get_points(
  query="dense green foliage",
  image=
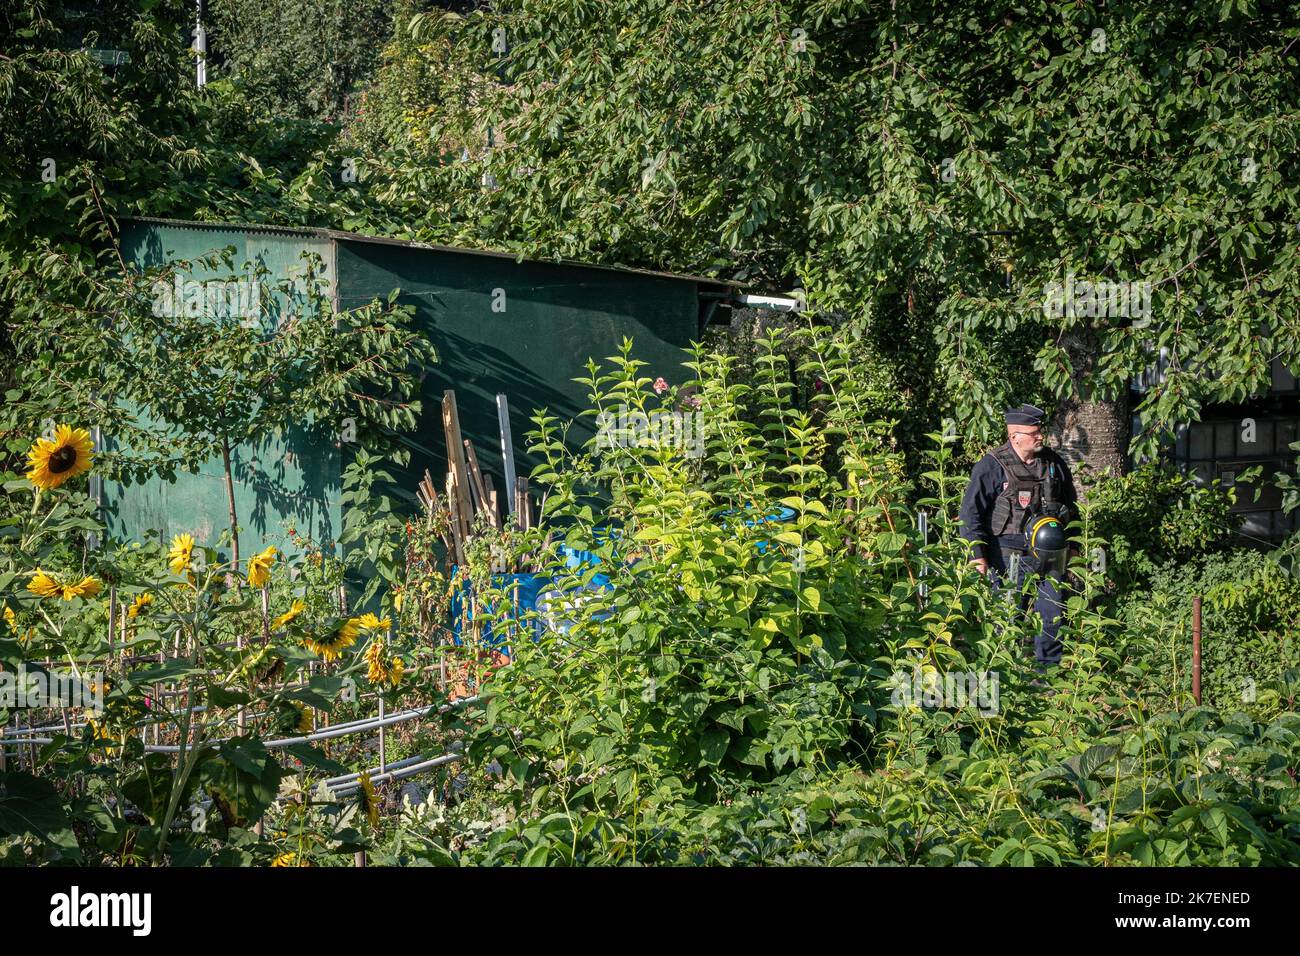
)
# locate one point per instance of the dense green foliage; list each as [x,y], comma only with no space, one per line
[1251,623]
[1156,516]
[729,703]
[1184,789]
[932,165]
[298,58]
[922,172]
[922,152]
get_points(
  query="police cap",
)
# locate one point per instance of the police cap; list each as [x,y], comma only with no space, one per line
[1025,415]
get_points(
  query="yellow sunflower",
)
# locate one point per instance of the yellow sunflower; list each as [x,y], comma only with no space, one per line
[399,596]
[287,859]
[296,608]
[259,567]
[99,732]
[43,585]
[141,602]
[373,623]
[11,619]
[344,637]
[51,463]
[47,586]
[376,673]
[366,799]
[178,558]
[86,587]
[379,672]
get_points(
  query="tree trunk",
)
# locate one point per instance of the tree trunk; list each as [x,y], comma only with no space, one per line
[1091,433]
[230,503]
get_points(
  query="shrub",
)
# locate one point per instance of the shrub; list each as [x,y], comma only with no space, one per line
[1250,623]
[1156,515]
[730,650]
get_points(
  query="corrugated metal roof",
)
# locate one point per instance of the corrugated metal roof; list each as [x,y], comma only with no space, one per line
[413,244]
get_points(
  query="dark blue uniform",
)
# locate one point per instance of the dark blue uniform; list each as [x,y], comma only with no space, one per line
[986,483]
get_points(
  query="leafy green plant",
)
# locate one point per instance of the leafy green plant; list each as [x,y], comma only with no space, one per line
[1250,619]
[297,60]
[1157,515]
[729,648]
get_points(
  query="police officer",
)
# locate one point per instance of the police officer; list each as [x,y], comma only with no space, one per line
[1019,501]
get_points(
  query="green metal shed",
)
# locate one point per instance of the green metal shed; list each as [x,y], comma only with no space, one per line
[500,324]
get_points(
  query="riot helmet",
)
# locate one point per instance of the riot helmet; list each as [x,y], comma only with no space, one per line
[1047,542]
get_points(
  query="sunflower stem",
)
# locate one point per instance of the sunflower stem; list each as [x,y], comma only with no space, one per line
[266,615]
[186,759]
[30,531]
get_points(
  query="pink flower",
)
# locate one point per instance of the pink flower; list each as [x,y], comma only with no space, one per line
[694,401]
[660,386]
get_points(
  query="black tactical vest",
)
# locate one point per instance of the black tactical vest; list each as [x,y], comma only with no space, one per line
[1024,492]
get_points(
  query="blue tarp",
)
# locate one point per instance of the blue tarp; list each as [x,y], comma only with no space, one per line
[530,592]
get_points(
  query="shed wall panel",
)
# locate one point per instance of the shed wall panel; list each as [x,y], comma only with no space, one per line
[549,319]
[284,478]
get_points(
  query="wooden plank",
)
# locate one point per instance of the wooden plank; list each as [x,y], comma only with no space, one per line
[456,463]
[476,477]
[507,447]
[521,502]
[453,526]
